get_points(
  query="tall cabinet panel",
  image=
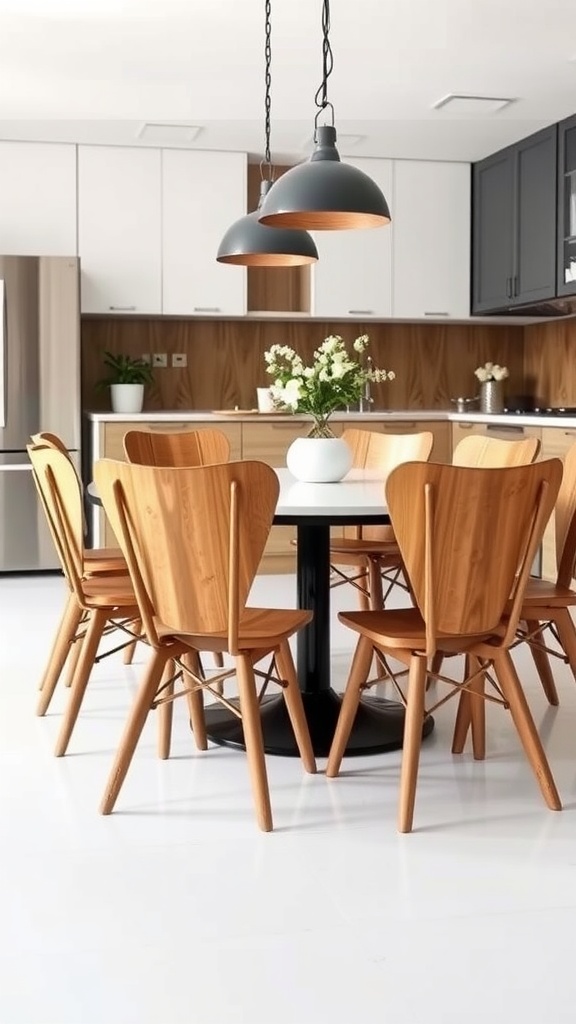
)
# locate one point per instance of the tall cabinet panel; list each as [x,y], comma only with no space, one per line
[37,199]
[514,224]
[431,239]
[203,193]
[566,283]
[119,229]
[353,276]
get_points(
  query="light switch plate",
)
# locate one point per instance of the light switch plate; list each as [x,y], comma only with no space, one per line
[179,359]
[159,359]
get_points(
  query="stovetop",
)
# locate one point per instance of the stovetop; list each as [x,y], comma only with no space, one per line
[568,410]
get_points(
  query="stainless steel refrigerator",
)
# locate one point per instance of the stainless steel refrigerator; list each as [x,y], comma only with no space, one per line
[39,390]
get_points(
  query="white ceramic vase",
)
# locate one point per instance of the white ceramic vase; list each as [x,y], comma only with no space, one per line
[127,397]
[319,460]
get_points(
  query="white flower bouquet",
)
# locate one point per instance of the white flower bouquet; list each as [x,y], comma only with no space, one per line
[333,381]
[491,371]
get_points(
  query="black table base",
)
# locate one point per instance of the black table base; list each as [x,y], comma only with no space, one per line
[378,726]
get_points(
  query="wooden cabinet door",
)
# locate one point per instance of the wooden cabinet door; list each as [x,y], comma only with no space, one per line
[556,442]
[38,199]
[203,193]
[119,229]
[353,277]
[431,239]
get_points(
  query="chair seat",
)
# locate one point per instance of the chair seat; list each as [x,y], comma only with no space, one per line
[546,593]
[262,628]
[404,628]
[366,548]
[109,592]
[101,560]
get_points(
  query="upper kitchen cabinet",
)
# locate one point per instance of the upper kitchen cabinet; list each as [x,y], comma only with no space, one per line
[431,239]
[119,229]
[566,284]
[37,199]
[353,276]
[514,225]
[203,193]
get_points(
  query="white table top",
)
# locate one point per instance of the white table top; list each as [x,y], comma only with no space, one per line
[360,493]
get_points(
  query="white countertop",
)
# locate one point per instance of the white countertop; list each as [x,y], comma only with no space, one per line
[509,420]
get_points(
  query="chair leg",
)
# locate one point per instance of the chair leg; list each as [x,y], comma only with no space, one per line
[133,728]
[375,584]
[59,653]
[98,620]
[567,634]
[252,728]
[477,709]
[166,711]
[542,663]
[412,741]
[295,707]
[75,648]
[196,703]
[462,723]
[358,675]
[130,650]
[514,694]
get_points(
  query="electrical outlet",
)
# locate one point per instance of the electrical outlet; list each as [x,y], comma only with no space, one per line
[179,359]
[146,357]
[159,359]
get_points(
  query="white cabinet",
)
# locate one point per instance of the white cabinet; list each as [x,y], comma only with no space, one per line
[203,193]
[431,239]
[119,229]
[37,199]
[353,276]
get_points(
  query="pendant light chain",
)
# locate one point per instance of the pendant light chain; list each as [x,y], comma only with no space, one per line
[268,83]
[321,98]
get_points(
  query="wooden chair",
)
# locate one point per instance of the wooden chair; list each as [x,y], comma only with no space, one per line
[468,538]
[372,550]
[99,600]
[545,608]
[181,448]
[193,539]
[495,452]
[96,562]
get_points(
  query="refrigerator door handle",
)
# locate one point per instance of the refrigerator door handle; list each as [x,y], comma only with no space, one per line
[26,466]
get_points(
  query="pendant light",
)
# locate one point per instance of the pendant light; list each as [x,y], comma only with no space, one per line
[250,243]
[324,194]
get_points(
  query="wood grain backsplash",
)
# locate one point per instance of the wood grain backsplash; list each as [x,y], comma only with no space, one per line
[432,362]
[550,361]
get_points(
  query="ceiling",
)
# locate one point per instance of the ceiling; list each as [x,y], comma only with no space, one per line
[99,70]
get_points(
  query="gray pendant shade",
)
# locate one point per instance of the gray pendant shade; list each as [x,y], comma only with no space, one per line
[325,194]
[250,243]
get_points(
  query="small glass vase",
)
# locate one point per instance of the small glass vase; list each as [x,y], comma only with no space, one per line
[491,396]
[321,427]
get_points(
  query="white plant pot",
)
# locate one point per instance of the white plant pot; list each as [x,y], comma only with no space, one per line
[127,397]
[319,460]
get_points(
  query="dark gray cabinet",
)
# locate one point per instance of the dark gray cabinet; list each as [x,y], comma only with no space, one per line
[514,225]
[567,207]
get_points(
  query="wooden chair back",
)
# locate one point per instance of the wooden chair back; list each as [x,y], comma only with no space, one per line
[565,522]
[44,437]
[495,452]
[61,495]
[468,538]
[192,537]
[182,448]
[373,450]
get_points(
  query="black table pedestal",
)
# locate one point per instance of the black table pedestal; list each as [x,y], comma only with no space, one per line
[379,723]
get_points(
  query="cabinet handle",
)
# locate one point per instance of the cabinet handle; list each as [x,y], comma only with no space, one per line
[437,313]
[515,286]
[504,429]
[122,309]
[569,433]
[508,287]
[206,309]
[361,312]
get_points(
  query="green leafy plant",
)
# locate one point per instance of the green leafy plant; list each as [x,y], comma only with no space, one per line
[125,370]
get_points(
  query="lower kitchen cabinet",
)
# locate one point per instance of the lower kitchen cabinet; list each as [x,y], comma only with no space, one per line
[514,432]
[556,442]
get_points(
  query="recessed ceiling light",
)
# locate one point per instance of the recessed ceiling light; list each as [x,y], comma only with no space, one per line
[454,103]
[166,132]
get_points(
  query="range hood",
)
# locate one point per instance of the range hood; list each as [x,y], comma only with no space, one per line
[547,308]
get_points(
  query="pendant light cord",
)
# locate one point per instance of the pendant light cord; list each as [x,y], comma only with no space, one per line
[321,98]
[267,101]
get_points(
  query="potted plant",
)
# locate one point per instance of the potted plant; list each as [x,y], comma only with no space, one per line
[126,381]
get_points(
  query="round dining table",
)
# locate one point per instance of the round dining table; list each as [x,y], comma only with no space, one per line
[379,725]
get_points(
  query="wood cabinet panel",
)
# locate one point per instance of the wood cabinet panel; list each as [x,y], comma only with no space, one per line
[556,442]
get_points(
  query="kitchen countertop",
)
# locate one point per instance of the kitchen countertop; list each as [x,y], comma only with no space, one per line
[397,415]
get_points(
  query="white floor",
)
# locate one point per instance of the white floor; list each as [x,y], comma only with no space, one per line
[176,909]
